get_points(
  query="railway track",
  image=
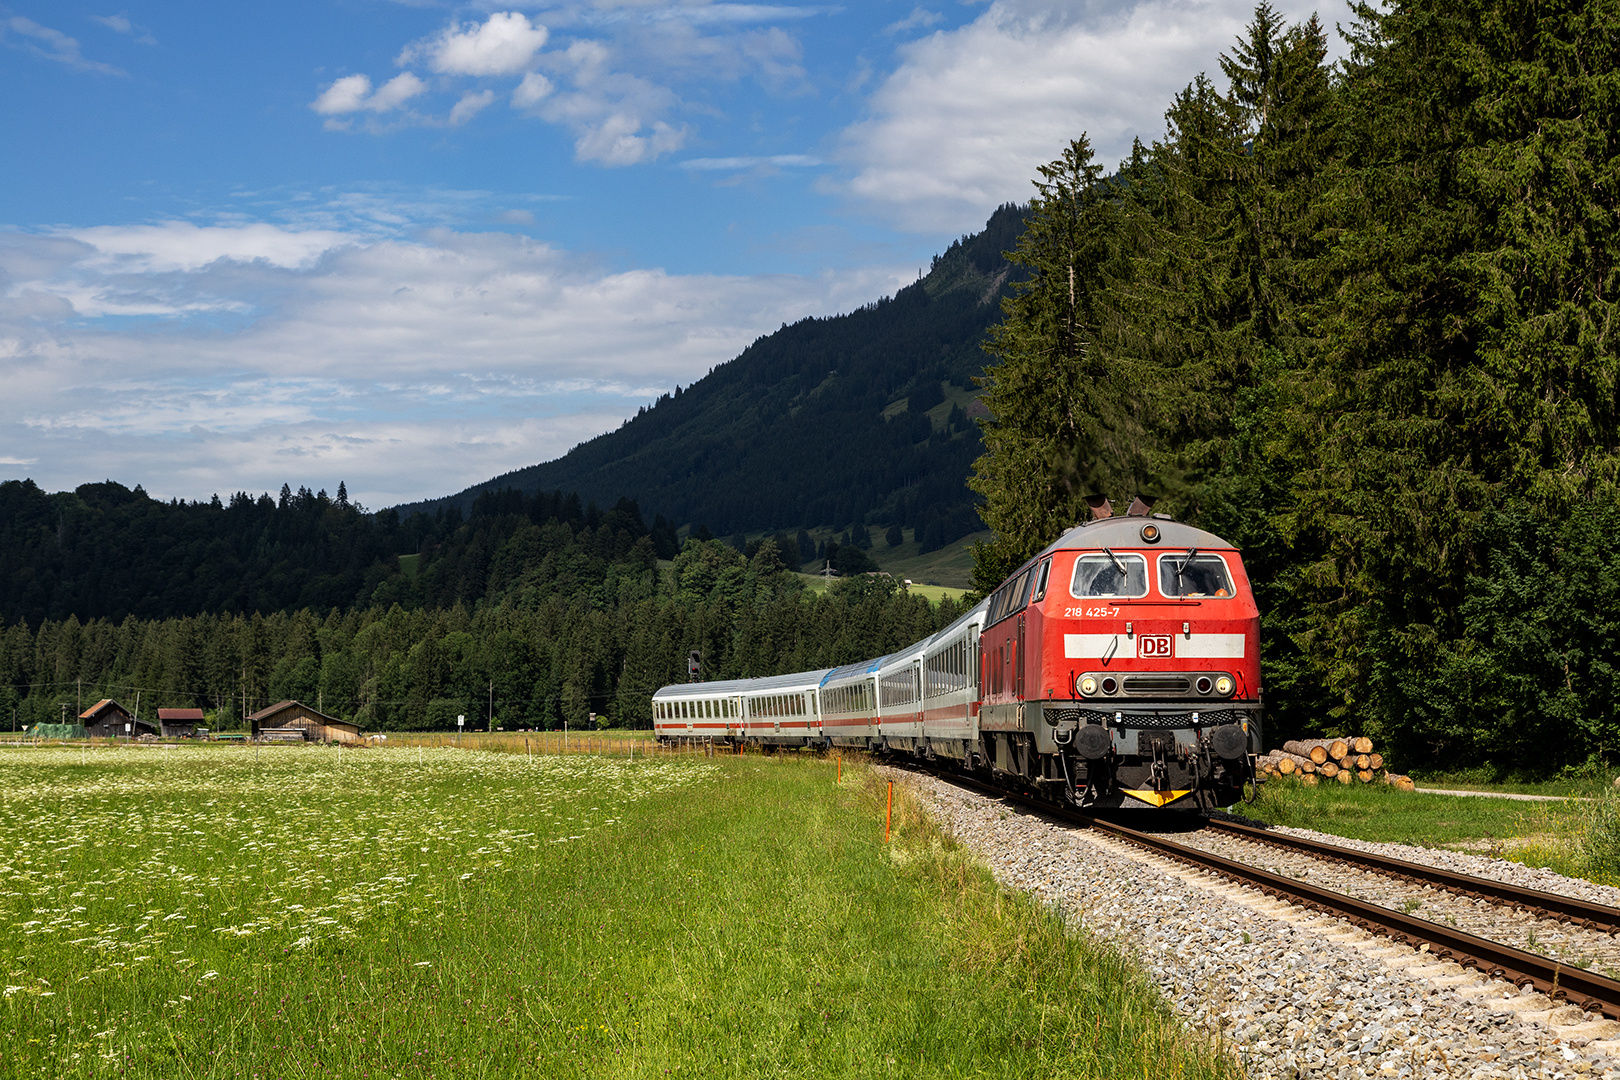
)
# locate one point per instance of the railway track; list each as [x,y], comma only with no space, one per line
[1559,981]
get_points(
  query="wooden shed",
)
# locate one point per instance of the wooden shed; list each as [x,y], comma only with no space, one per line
[106,719]
[293,721]
[180,723]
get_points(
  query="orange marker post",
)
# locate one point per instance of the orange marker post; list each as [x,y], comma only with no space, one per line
[888,813]
[840,760]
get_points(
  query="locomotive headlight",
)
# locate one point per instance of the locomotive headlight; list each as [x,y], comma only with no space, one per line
[1088,685]
[1223,685]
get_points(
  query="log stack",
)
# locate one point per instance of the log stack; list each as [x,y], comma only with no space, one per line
[1349,760]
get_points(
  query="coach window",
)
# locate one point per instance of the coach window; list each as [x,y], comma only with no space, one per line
[1109,575]
[1194,575]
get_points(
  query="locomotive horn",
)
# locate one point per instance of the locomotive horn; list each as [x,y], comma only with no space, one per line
[1099,507]
[1140,507]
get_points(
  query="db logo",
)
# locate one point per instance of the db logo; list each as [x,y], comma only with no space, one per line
[1155,646]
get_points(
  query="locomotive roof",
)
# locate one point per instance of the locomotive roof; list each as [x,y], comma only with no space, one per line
[1126,532]
[799,680]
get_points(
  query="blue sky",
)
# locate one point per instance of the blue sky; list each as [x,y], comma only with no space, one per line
[414,245]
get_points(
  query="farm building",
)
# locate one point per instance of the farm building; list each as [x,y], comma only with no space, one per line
[106,719]
[293,721]
[180,723]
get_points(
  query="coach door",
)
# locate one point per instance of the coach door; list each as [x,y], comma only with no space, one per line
[917,695]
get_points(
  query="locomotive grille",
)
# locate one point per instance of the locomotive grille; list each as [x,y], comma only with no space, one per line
[1156,684]
[1206,718]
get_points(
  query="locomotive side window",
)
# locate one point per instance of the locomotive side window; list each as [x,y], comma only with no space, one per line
[1040,583]
[1193,574]
[1109,574]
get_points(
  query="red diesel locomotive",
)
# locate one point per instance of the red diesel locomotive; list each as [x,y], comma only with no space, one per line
[1120,667]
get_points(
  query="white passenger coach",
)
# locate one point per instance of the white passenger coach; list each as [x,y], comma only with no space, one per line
[923,700]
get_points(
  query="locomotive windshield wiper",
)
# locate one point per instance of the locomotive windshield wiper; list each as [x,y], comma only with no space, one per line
[1117,564]
[1182,569]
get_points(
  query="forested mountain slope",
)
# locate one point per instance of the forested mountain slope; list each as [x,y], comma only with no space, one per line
[823,423]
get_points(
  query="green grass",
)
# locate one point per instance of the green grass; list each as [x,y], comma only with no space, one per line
[1579,783]
[1579,837]
[305,911]
[932,593]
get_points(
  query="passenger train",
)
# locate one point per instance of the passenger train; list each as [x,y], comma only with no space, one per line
[1118,668]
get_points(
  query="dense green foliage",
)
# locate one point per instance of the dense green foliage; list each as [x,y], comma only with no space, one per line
[535,624]
[805,428]
[1356,320]
[104,551]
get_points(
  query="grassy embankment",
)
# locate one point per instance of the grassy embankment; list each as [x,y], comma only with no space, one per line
[1578,835]
[301,911]
[614,742]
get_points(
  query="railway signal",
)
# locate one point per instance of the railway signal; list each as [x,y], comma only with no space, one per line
[694,664]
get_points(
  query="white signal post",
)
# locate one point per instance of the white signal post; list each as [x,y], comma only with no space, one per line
[461,722]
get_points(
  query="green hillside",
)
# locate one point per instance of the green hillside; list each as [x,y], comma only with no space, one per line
[858,418]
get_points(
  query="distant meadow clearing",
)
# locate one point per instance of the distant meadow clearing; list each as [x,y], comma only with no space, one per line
[422,912]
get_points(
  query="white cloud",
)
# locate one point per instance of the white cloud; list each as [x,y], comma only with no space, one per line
[735,13]
[504,44]
[613,85]
[961,124]
[30,36]
[183,246]
[396,92]
[729,163]
[410,368]
[529,92]
[120,24]
[616,117]
[920,18]
[471,104]
[345,95]
[352,93]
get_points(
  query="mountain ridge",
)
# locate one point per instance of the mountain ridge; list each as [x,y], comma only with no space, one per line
[801,429]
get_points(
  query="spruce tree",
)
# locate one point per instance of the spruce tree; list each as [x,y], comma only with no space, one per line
[1060,426]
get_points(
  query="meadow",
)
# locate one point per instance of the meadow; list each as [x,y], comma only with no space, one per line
[306,911]
[1576,834]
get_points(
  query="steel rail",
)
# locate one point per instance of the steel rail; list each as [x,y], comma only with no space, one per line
[1560,982]
[1582,913]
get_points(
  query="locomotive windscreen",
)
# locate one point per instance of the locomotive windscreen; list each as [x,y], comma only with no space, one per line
[1109,575]
[1194,575]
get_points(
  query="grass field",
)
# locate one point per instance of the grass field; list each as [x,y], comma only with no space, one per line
[1578,836]
[292,912]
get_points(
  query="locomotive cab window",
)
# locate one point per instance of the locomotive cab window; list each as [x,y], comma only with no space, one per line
[1109,574]
[1194,575]
[1040,583]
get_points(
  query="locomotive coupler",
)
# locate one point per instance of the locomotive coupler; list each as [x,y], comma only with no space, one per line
[1160,770]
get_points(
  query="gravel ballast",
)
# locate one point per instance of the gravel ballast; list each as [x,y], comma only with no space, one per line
[1295,994]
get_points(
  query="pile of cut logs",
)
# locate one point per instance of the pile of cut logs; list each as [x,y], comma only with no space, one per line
[1347,761]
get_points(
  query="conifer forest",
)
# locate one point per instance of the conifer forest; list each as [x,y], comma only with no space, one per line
[1356,319]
